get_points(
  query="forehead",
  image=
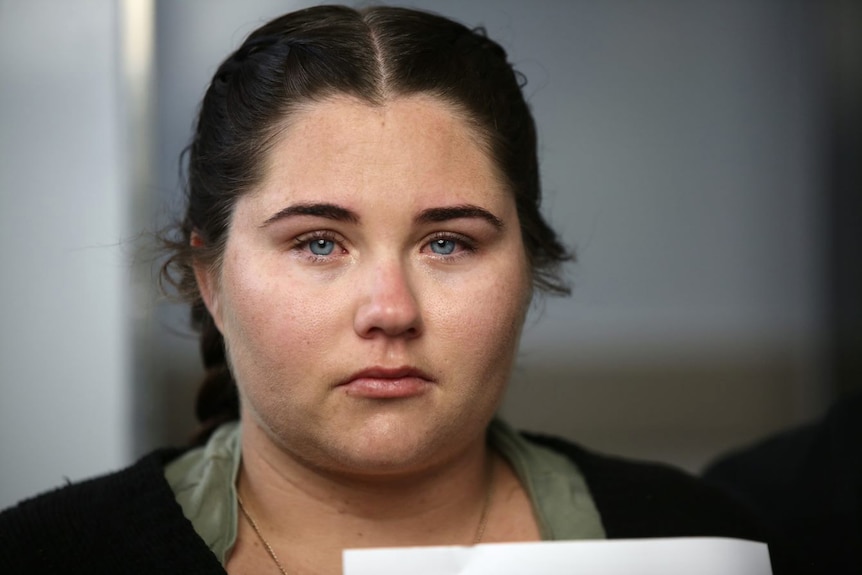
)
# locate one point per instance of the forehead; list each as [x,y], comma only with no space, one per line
[411,147]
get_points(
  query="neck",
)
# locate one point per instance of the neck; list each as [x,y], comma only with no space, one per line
[309,505]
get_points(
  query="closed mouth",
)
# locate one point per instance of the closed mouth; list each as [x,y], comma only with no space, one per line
[387,383]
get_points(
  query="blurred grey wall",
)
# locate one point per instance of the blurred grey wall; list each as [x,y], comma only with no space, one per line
[64,294]
[681,146]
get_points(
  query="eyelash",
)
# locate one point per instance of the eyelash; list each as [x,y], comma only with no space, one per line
[466,246]
[301,244]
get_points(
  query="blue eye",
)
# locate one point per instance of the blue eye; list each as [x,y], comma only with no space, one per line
[443,246]
[321,247]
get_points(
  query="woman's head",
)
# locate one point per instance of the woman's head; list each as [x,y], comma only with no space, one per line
[374,56]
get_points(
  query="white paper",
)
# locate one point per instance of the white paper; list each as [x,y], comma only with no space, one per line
[676,556]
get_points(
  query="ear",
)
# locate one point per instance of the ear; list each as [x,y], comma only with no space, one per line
[207,282]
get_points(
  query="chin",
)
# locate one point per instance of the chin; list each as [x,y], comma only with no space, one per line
[393,449]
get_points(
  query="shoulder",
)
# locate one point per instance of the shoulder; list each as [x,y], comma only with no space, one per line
[806,485]
[638,499]
[127,521]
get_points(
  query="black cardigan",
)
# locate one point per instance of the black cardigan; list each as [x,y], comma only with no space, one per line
[129,522]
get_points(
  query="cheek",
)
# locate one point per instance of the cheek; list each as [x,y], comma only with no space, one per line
[497,322]
[483,319]
[272,320]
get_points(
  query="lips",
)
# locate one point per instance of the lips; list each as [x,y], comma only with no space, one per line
[387,383]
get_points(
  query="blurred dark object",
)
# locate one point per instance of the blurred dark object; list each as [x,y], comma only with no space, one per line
[806,486]
[842,53]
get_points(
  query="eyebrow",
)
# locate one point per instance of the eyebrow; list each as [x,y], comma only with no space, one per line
[341,214]
[432,215]
[320,210]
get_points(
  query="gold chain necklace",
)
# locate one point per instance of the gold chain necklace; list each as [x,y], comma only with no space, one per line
[480,529]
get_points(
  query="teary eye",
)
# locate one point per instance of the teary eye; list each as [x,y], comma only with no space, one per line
[321,247]
[443,246]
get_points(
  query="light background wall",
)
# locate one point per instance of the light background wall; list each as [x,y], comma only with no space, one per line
[680,146]
[65,376]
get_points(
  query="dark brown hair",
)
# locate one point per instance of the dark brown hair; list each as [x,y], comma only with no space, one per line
[374,55]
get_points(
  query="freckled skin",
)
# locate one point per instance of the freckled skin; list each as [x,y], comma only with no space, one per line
[297,325]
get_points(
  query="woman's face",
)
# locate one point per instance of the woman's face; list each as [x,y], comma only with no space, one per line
[373,287]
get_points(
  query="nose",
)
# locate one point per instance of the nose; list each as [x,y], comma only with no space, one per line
[388,305]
